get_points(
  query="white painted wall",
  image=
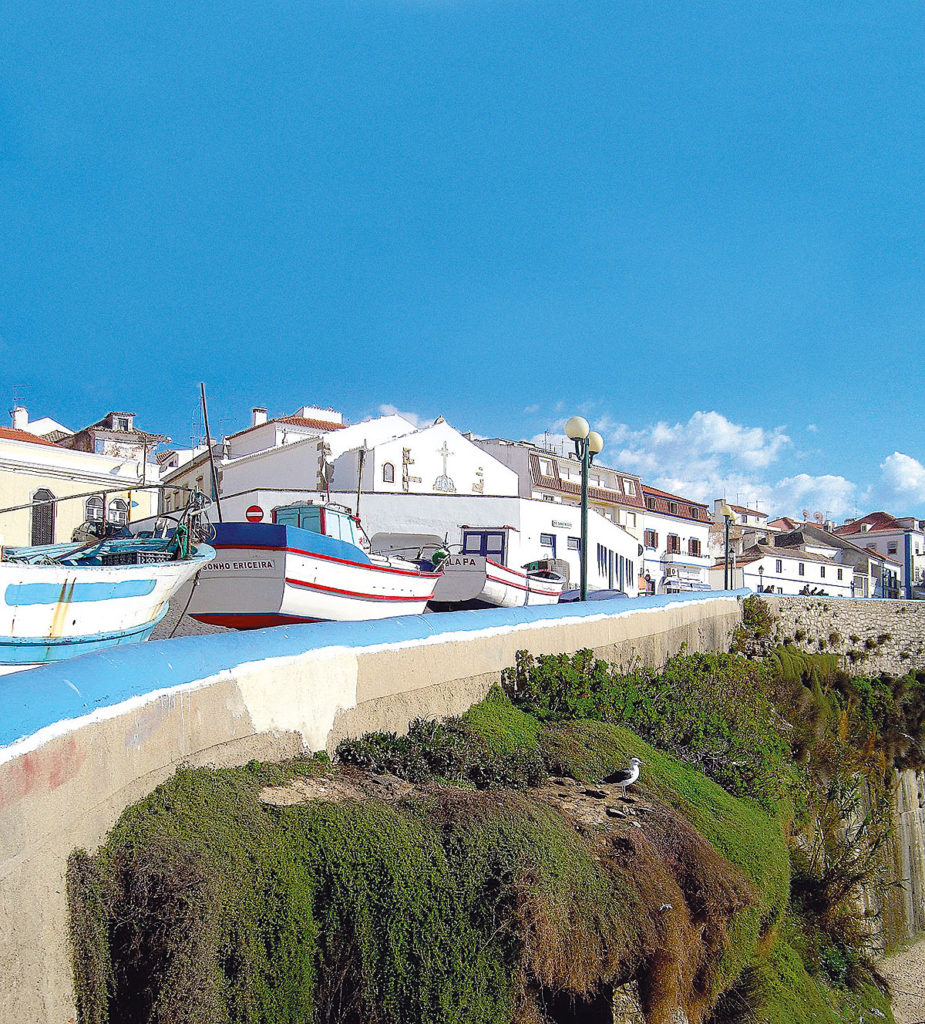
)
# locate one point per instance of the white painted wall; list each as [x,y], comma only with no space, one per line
[660,564]
[782,572]
[439,460]
[445,514]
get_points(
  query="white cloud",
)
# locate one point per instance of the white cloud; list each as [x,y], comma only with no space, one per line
[904,476]
[812,428]
[711,456]
[833,496]
[416,418]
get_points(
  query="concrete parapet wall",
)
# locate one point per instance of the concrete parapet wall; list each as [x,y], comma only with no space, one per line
[854,625]
[81,741]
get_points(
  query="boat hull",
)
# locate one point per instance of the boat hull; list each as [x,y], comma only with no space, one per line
[272,575]
[473,581]
[55,612]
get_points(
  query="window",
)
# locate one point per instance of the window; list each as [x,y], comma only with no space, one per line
[822,572]
[778,565]
[695,512]
[628,486]
[94,509]
[117,513]
[122,423]
[693,547]
[545,467]
[650,504]
[388,473]
[673,507]
[548,543]
[838,573]
[674,544]
[489,543]
[651,539]
[801,568]
[574,543]
[780,590]
[43,517]
[891,547]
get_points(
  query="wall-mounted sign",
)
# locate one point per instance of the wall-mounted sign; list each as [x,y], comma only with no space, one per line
[561,525]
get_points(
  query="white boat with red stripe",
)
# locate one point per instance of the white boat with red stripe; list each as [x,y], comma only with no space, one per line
[476,581]
[308,565]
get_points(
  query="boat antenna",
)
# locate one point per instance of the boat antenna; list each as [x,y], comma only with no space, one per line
[361,458]
[205,417]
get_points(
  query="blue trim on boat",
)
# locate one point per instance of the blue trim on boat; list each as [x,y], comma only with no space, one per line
[39,650]
[53,693]
[73,592]
[274,535]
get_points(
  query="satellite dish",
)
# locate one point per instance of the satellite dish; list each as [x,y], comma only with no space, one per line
[806,513]
[818,516]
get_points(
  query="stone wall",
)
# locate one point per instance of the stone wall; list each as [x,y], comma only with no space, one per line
[81,741]
[871,636]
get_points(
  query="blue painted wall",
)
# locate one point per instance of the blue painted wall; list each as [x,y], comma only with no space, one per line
[40,697]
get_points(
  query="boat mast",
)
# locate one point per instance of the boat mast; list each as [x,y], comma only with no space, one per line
[205,418]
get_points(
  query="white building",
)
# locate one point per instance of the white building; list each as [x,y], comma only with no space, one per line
[676,535]
[783,570]
[406,479]
[553,476]
[899,538]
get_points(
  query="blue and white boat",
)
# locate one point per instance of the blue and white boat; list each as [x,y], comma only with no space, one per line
[309,565]
[61,600]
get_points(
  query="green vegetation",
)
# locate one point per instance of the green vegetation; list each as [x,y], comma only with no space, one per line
[442,877]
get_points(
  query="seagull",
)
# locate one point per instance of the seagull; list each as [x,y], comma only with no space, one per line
[625,776]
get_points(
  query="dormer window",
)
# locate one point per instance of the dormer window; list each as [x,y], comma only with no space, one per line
[650,504]
[673,507]
[122,423]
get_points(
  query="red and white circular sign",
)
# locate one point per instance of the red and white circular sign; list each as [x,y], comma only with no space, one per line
[254,514]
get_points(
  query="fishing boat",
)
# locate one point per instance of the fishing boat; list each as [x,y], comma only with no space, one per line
[310,564]
[474,581]
[61,600]
[479,576]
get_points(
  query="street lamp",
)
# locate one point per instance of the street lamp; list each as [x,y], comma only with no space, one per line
[588,443]
[727,514]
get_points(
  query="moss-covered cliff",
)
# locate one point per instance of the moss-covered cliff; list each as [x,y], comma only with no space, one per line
[477,870]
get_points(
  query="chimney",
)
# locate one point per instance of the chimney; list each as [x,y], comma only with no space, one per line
[258,416]
[20,417]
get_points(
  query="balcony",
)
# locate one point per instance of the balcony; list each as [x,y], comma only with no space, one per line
[683,558]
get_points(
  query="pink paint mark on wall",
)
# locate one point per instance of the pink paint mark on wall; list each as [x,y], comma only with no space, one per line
[40,771]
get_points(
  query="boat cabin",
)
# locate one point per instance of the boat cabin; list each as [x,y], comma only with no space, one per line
[328,520]
[490,542]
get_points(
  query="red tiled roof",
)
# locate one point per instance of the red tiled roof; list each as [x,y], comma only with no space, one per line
[301,421]
[674,497]
[875,520]
[686,508]
[9,434]
[747,511]
[296,421]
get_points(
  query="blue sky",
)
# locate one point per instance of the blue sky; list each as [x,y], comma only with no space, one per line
[701,224]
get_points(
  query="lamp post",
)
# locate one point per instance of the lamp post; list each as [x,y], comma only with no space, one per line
[727,514]
[588,443]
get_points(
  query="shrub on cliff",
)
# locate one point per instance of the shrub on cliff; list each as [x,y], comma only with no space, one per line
[493,745]
[711,710]
[443,906]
